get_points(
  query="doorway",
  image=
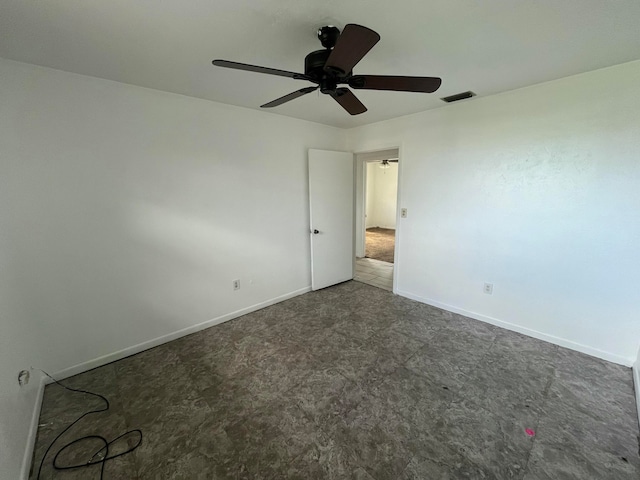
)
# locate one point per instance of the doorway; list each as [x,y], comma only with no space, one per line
[377,210]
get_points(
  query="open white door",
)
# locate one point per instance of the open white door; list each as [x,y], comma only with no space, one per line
[331,210]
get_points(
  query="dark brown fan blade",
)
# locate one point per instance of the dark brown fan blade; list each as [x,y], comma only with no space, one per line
[288,98]
[257,69]
[353,43]
[349,101]
[399,84]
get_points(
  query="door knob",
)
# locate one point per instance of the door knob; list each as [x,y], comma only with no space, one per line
[315,232]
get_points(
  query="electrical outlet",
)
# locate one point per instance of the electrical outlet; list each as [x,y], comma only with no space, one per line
[488,288]
[236,284]
[23,377]
[403,212]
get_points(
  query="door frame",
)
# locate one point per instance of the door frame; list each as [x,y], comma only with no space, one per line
[360,182]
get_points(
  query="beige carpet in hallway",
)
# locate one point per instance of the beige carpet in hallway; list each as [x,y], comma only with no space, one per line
[380,243]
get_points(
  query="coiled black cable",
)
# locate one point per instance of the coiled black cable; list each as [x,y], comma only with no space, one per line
[103,459]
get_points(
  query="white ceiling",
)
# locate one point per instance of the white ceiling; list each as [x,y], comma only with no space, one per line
[487,46]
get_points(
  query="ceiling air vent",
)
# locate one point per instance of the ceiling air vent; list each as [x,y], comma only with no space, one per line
[458,96]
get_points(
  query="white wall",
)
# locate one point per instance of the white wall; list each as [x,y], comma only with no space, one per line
[382,194]
[535,190]
[127,212]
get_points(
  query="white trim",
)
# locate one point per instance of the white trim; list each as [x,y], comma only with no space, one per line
[363,204]
[33,432]
[636,383]
[396,245]
[125,352]
[594,352]
[140,347]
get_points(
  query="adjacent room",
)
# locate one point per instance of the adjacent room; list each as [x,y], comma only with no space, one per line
[319,240]
[381,208]
[376,210]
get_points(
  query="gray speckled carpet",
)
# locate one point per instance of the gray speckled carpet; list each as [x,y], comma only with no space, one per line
[355,382]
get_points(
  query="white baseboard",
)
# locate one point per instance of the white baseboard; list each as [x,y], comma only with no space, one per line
[125,352]
[594,352]
[636,384]
[103,360]
[33,431]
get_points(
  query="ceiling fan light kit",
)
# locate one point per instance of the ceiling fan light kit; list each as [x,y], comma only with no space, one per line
[333,66]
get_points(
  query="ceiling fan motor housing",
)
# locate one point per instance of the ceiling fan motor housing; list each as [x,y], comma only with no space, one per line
[314,68]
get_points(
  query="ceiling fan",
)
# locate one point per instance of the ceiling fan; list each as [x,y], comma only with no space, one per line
[333,66]
[386,163]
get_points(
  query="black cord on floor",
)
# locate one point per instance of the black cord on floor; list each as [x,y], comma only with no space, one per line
[104,458]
